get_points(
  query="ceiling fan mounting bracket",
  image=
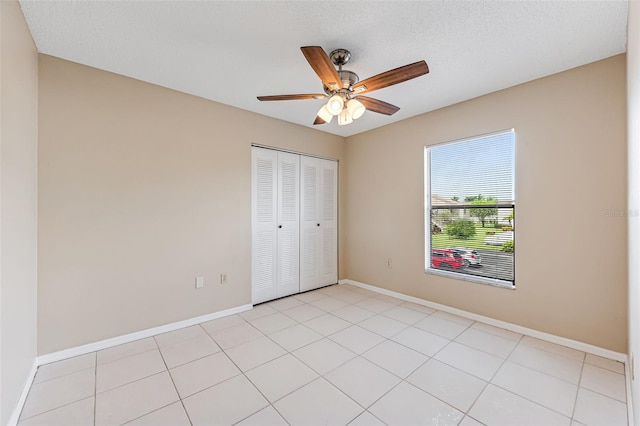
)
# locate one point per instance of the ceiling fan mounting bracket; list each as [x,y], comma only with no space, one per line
[340,57]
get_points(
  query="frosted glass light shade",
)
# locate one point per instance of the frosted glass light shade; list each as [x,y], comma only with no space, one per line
[356,109]
[325,114]
[345,118]
[335,104]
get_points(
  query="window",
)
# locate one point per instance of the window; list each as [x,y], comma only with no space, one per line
[470,223]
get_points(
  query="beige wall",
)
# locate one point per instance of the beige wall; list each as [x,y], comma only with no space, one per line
[571,266]
[633,111]
[141,190]
[18,209]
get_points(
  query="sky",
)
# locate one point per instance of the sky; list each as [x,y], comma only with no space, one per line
[470,167]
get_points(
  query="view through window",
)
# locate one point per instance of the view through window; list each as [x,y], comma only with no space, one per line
[470,220]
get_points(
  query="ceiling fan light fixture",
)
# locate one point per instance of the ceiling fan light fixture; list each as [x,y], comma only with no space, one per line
[345,118]
[325,114]
[356,109]
[335,105]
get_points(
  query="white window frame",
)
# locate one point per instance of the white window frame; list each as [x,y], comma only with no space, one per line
[427,220]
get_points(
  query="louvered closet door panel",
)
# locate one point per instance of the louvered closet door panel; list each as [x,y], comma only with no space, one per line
[329,222]
[264,224]
[310,228]
[288,264]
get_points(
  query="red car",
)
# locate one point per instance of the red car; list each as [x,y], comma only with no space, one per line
[446,259]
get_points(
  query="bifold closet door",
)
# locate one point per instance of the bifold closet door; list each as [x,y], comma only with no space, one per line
[275,224]
[318,223]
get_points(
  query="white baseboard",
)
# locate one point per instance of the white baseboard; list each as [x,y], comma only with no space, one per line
[119,340]
[574,344]
[15,415]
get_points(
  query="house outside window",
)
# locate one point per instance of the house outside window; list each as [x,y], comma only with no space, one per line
[470,214]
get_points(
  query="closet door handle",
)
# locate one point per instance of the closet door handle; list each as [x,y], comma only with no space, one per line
[318,224]
[279,226]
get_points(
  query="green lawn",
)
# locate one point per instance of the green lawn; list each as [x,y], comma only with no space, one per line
[442,240]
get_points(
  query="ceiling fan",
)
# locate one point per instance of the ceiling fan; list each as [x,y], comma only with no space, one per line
[343,88]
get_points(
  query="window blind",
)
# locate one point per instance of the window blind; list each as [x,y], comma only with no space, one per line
[470,221]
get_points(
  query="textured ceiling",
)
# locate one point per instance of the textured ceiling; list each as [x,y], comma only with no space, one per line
[233,51]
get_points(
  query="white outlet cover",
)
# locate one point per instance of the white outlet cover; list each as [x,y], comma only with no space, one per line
[199,282]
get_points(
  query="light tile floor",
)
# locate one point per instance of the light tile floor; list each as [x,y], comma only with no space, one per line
[338,355]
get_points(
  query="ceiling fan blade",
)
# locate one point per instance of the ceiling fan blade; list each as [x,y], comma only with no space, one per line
[291,97]
[322,65]
[318,120]
[392,77]
[378,106]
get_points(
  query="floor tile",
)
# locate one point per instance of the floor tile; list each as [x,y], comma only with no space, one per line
[502,408]
[128,402]
[123,351]
[327,324]
[594,409]
[328,304]
[405,315]
[351,296]
[547,391]
[203,373]
[353,314]
[469,421]
[487,342]
[254,353]
[60,391]
[78,413]
[303,313]
[285,303]
[448,384]
[226,403]
[173,337]
[362,381]
[129,369]
[553,348]
[389,299]
[604,382]
[265,417]
[420,308]
[222,323]
[272,323]
[295,337]
[281,376]
[421,341]
[453,318]
[171,415]
[384,326]
[366,419]
[309,296]
[441,327]
[324,355]
[318,403]
[236,335]
[546,362]
[473,361]
[64,367]
[188,350]
[607,364]
[356,339]
[408,405]
[257,312]
[497,331]
[396,358]
[375,305]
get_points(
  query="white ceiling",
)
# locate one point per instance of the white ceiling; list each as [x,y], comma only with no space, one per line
[233,51]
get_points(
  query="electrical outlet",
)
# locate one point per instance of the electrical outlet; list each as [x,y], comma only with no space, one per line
[223,278]
[199,282]
[389,264]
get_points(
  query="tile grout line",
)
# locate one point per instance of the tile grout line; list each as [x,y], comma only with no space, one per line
[172,382]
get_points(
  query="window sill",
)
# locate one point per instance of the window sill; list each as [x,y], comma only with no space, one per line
[472,278]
